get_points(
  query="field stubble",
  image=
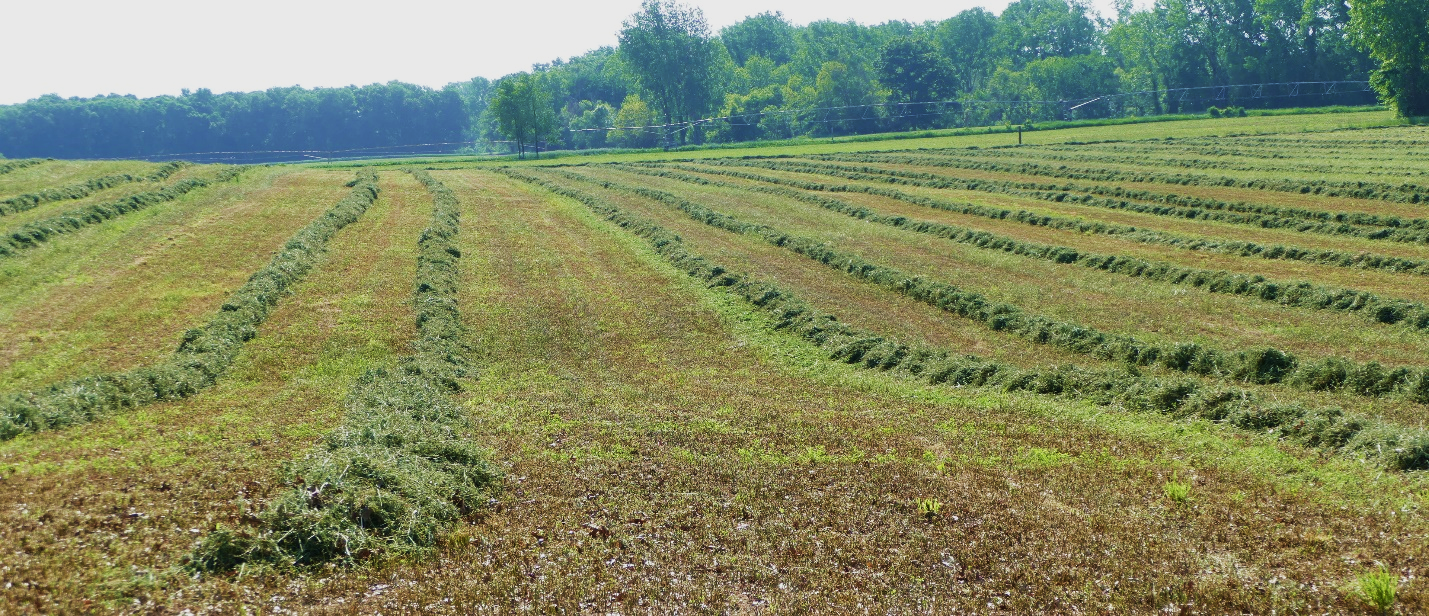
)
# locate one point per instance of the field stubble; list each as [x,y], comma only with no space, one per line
[657,459]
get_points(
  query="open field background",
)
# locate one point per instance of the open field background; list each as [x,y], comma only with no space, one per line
[725,381]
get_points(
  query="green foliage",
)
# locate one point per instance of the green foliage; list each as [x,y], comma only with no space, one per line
[673,57]
[929,508]
[522,110]
[1377,589]
[767,36]
[914,71]
[400,472]
[1330,429]
[1396,33]
[287,118]
[1178,491]
[206,351]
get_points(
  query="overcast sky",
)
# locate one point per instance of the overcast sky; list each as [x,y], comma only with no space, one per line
[152,47]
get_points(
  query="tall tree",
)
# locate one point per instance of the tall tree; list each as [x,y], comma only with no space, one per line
[914,72]
[668,47]
[1396,33]
[967,41]
[522,111]
[766,35]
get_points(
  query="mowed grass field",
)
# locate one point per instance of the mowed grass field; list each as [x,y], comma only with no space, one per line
[1170,368]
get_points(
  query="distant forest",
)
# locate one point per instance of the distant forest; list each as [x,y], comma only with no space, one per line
[1038,60]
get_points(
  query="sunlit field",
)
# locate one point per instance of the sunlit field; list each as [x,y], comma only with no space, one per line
[1176,367]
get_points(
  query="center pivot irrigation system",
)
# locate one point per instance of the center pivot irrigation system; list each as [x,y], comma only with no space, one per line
[1013,110]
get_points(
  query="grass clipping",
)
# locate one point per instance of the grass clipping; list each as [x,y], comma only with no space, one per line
[206,351]
[1394,447]
[399,472]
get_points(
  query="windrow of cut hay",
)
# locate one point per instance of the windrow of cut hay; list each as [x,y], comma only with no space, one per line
[36,233]
[1260,216]
[1259,366]
[400,471]
[83,189]
[974,160]
[1236,248]
[7,166]
[206,351]
[1284,161]
[1326,428]
[1298,294]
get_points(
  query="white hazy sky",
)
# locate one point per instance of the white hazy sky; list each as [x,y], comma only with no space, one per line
[152,47]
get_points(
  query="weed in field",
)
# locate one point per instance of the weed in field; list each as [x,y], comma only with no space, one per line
[1377,589]
[929,508]
[1178,491]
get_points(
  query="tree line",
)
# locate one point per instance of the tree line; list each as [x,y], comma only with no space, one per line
[767,78]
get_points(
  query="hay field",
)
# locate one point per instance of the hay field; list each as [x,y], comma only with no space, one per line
[1150,372]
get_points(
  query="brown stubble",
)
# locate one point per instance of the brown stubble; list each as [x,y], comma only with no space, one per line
[658,464]
[97,517]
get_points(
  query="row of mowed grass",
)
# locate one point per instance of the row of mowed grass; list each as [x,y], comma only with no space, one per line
[1151,311]
[668,447]
[100,515]
[667,451]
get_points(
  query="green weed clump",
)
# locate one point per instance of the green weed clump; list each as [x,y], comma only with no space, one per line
[1298,294]
[1256,366]
[400,471]
[205,352]
[1326,428]
[1377,589]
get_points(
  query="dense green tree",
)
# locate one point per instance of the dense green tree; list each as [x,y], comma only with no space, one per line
[766,35]
[1396,33]
[967,41]
[669,49]
[1035,29]
[914,72]
[783,80]
[522,111]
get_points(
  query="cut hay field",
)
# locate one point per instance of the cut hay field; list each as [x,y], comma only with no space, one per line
[1170,368]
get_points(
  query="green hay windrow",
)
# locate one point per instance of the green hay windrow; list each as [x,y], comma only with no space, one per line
[1298,294]
[15,205]
[36,233]
[1325,428]
[7,166]
[1259,366]
[399,472]
[1334,258]
[206,351]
